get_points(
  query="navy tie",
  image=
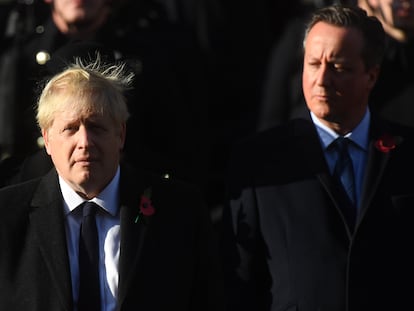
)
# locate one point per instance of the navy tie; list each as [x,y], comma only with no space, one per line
[89,284]
[344,170]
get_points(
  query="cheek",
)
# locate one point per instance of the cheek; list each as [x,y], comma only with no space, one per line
[355,87]
[306,86]
[50,146]
[60,148]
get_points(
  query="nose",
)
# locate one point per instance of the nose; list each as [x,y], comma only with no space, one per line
[323,75]
[84,136]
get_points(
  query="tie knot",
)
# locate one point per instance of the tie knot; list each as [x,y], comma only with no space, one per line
[89,208]
[341,142]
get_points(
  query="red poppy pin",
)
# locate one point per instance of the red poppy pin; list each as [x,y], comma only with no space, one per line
[146,208]
[385,143]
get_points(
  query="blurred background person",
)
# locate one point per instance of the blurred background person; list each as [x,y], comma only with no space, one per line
[394,93]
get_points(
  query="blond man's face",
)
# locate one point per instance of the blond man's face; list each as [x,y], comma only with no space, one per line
[85,149]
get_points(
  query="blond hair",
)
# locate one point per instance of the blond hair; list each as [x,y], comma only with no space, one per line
[91,88]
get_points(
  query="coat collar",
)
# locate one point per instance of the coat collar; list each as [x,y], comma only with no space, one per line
[309,144]
[47,219]
[133,233]
[376,162]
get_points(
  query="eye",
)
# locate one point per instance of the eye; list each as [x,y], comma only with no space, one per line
[313,63]
[97,126]
[341,68]
[70,128]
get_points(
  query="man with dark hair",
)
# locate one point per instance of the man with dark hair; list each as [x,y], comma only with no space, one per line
[319,212]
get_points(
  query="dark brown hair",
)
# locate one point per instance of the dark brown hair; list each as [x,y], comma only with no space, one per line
[357,18]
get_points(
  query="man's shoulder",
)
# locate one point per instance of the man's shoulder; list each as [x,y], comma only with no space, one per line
[17,197]
[141,178]
[381,126]
[21,187]
[271,154]
[279,138]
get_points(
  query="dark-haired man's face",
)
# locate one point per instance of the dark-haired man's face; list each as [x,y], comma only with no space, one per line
[336,83]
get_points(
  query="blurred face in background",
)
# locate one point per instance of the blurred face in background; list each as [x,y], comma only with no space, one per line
[394,13]
[78,15]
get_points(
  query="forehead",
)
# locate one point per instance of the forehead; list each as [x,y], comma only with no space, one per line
[77,3]
[333,40]
[79,105]
[65,117]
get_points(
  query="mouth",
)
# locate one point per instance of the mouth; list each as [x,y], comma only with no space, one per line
[322,97]
[86,161]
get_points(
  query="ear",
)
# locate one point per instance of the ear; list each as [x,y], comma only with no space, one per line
[373,74]
[123,135]
[45,135]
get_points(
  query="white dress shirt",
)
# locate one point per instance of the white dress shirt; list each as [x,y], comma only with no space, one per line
[358,150]
[108,225]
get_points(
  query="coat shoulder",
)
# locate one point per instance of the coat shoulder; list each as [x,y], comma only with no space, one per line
[18,193]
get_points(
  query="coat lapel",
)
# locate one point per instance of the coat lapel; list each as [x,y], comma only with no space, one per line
[47,219]
[376,164]
[309,144]
[375,167]
[133,230]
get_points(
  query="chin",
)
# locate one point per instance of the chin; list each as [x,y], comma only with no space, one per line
[322,112]
[84,177]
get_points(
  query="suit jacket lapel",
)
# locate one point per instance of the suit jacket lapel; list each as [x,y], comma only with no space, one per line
[47,220]
[310,145]
[133,231]
[376,164]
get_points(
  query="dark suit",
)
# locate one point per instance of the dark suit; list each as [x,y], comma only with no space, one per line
[286,243]
[167,261]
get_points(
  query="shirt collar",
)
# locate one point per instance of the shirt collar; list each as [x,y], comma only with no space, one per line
[108,199]
[359,135]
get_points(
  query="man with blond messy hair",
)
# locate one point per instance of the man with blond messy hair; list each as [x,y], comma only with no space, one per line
[95,233]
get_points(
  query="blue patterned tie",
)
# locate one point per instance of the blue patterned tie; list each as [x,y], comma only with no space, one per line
[89,285]
[344,170]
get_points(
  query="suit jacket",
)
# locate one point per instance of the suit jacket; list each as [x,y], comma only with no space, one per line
[168,261]
[286,243]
